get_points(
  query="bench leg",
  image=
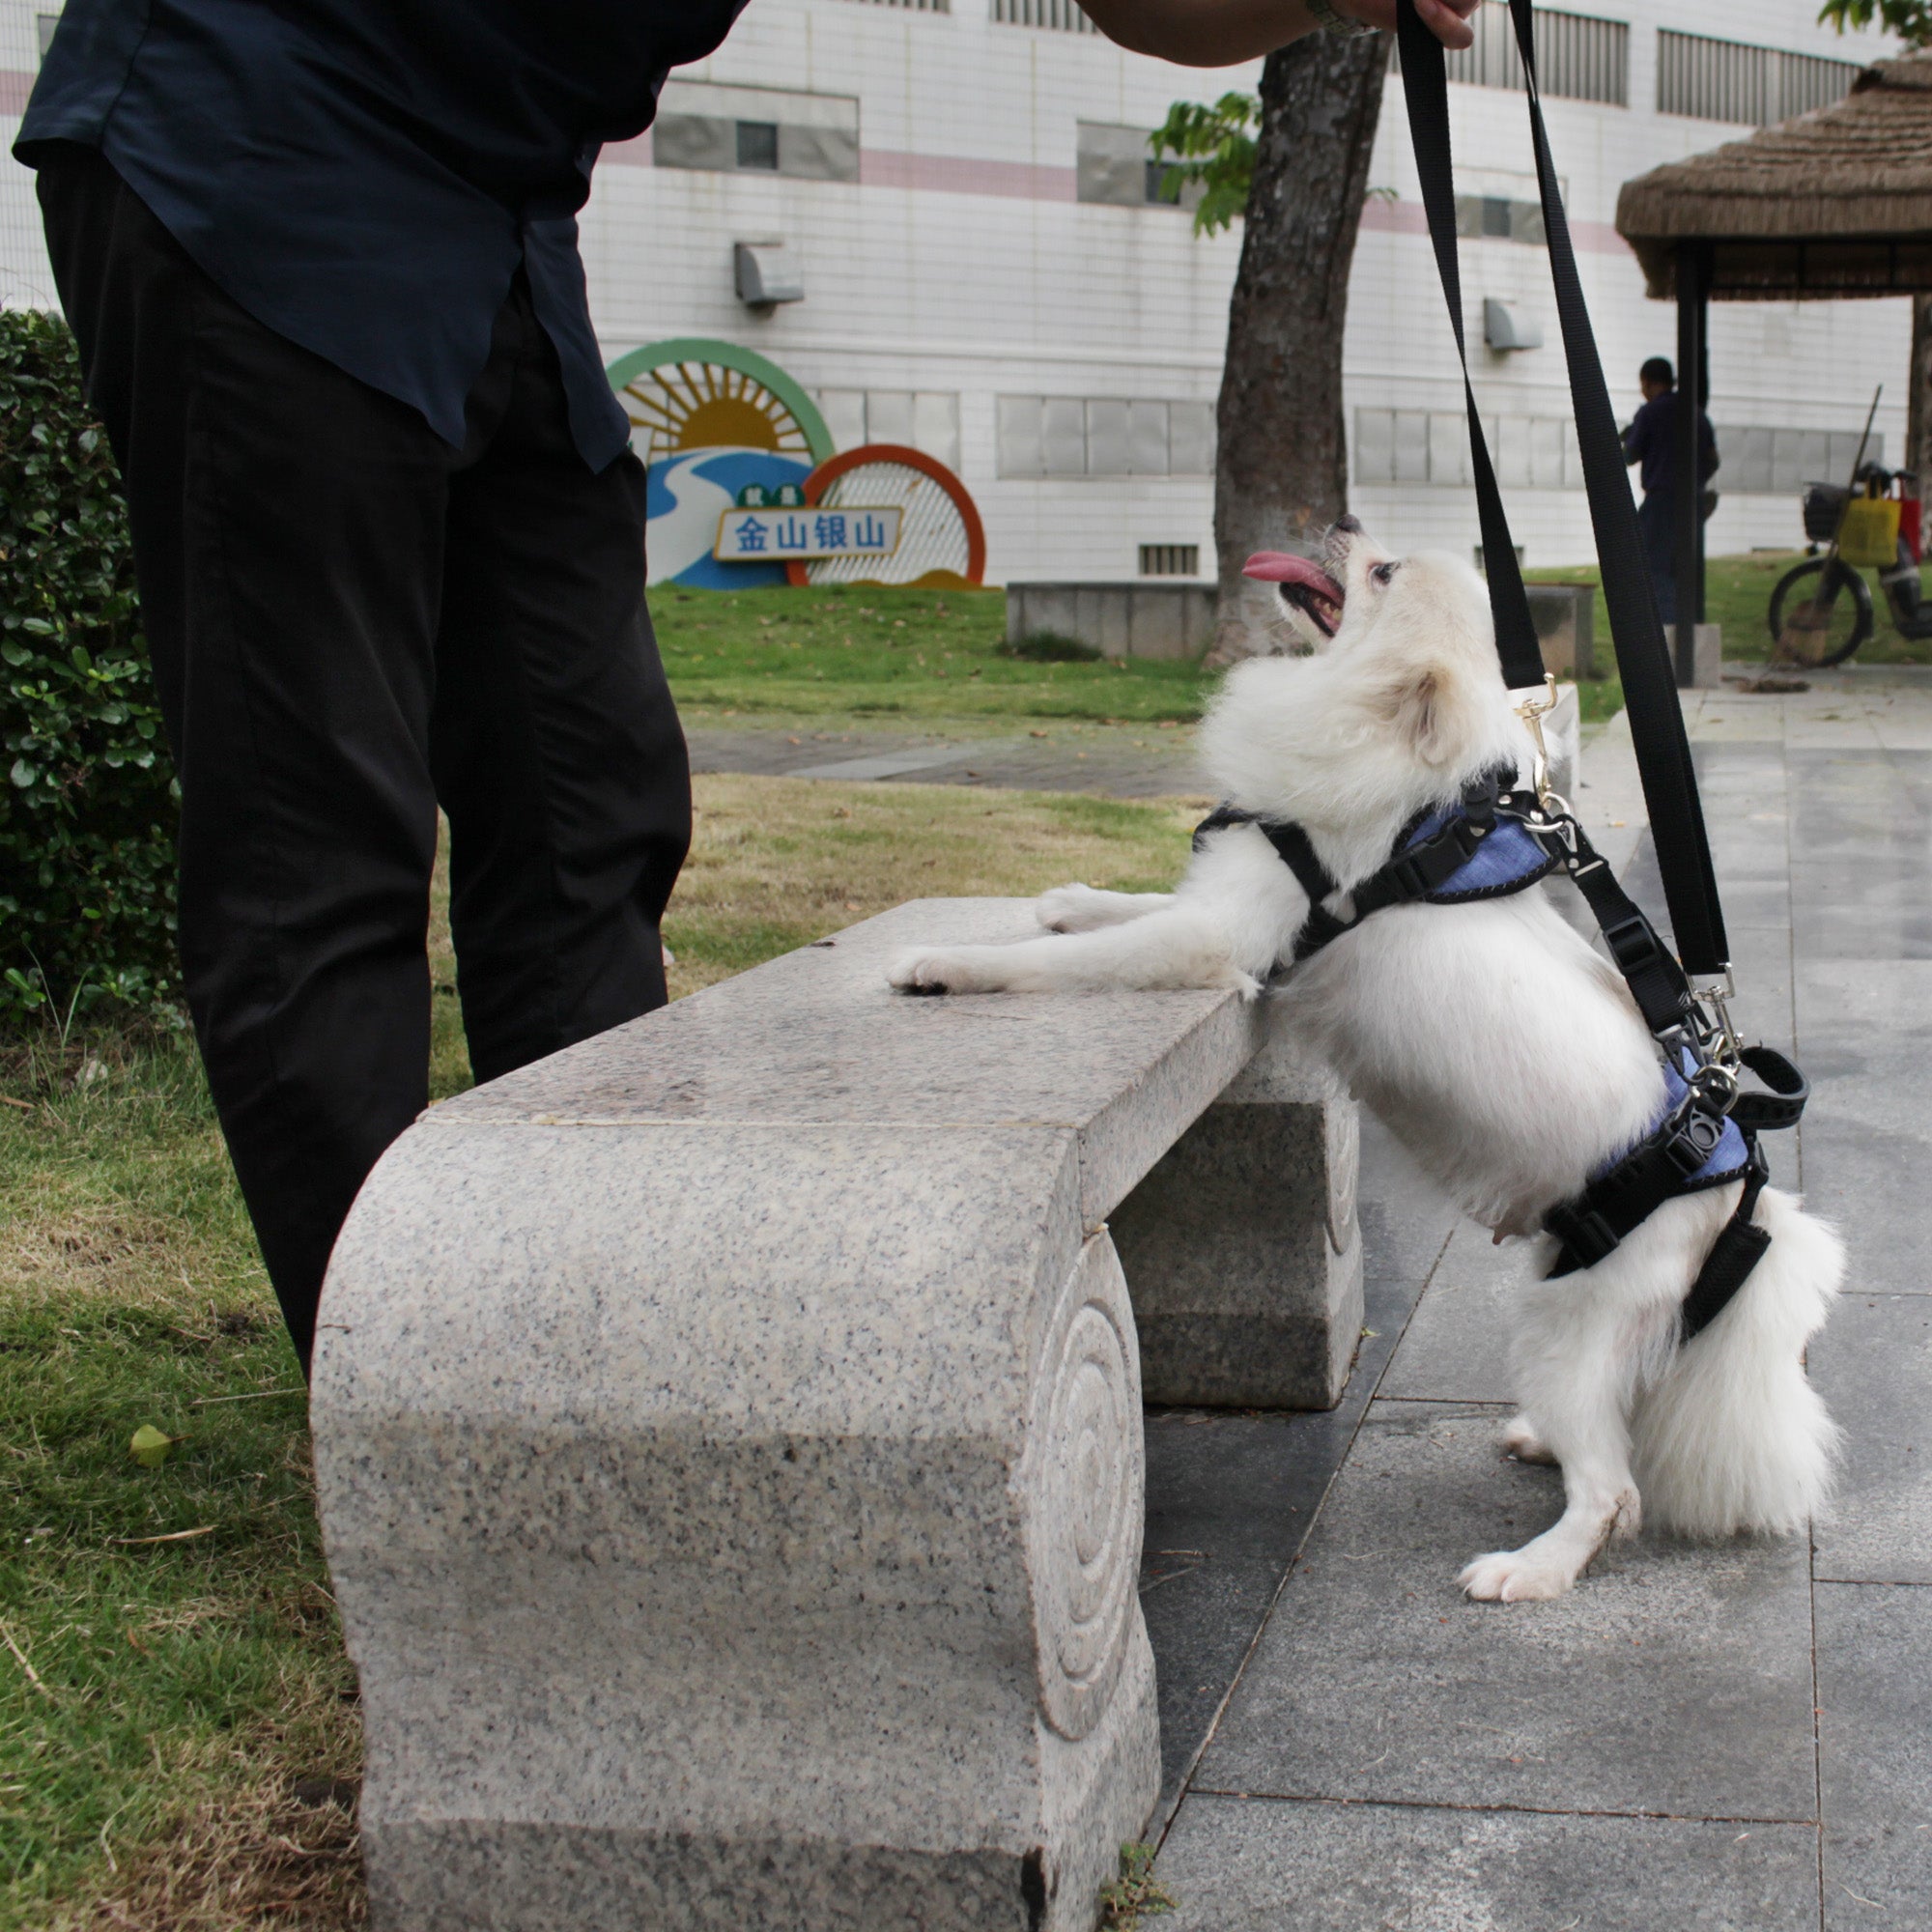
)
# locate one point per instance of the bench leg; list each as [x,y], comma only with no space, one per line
[1241,1248]
[737,1531]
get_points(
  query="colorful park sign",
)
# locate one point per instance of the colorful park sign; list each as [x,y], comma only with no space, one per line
[727,436]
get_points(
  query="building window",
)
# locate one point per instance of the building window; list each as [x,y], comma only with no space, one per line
[1170,559]
[1756,461]
[758,145]
[1578,57]
[917,6]
[1729,80]
[1497,217]
[924,419]
[1114,166]
[1103,436]
[756,130]
[1432,446]
[1061,15]
[1540,452]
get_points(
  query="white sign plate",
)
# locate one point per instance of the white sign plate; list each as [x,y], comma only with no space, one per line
[777,536]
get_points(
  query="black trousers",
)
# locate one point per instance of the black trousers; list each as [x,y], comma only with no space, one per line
[352,623]
[1656,524]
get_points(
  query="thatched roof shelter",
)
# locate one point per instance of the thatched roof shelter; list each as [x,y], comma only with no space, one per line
[1835,203]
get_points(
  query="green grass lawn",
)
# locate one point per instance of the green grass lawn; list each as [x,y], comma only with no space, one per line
[891,657]
[1737,594]
[916,659]
[178,1740]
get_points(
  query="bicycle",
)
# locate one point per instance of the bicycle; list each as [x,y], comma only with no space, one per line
[1871,525]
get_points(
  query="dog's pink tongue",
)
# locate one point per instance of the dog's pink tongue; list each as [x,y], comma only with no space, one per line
[1278,566]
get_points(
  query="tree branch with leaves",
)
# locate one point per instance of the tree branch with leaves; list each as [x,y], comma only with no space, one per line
[1912,22]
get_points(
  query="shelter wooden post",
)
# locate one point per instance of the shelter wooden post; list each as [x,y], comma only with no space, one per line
[1693,388]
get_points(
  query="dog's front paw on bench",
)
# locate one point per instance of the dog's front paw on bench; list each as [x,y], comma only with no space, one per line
[942,970]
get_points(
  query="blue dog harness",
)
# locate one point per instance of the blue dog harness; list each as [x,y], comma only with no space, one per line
[1474,849]
[1493,842]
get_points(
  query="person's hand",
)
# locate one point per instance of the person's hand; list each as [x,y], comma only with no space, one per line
[1447,19]
[1219,33]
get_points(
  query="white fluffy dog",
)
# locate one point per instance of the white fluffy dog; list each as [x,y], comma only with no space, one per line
[1502,1049]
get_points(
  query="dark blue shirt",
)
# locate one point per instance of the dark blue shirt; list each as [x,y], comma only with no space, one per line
[364,176]
[1652,440]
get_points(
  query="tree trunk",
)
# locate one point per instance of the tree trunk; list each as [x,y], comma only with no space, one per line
[1281,473]
[1919,395]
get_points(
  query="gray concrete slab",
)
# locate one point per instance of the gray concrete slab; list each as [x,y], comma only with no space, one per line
[1866,1026]
[1873,1364]
[1674,1680]
[1262,1865]
[1456,1347]
[1875,1754]
[1231,1497]
[1116,761]
[899,764]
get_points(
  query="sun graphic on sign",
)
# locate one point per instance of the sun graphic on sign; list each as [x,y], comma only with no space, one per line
[696,394]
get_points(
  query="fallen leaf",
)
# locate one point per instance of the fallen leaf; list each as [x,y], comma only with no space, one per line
[149,1447]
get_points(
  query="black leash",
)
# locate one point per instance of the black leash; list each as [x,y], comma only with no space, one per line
[1650,686]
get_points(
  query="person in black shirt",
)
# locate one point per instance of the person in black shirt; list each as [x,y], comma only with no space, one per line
[321,264]
[1651,439]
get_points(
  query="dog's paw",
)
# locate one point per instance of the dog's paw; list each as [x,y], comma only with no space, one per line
[1068,909]
[1516,1577]
[1523,1442]
[940,971]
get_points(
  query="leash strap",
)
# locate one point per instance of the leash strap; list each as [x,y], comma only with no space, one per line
[1738,1249]
[1650,686]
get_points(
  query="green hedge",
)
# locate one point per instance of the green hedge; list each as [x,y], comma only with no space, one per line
[88,801]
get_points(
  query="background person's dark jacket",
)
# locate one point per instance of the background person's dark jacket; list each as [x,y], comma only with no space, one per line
[1652,441]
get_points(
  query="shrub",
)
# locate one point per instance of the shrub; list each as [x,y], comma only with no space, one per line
[88,802]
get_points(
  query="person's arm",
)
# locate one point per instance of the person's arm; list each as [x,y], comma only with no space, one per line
[1636,439]
[1221,33]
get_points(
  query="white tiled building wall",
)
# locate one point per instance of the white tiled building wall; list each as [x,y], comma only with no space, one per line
[960,265]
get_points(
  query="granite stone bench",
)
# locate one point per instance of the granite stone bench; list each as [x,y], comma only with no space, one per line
[728,1434]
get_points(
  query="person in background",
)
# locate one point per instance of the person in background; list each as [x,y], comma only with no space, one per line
[1651,439]
[321,264]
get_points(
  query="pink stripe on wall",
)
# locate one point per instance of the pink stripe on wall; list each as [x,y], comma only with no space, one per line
[635,153]
[14,91]
[961,174]
[1394,217]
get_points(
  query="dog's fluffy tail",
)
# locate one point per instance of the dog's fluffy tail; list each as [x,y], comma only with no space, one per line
[1732,1437]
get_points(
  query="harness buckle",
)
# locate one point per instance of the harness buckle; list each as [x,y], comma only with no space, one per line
[1633,943]
[1727,1048]
[1532,711]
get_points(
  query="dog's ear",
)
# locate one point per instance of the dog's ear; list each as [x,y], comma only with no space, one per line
[1423,708]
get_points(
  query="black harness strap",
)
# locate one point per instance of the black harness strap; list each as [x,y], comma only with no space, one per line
[1738,1249]
[1411,872]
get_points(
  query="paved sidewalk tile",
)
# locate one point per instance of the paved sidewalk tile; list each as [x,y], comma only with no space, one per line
[1865,1030]
[1873,1365]
[1262,1866]
[1231,1496]
[1875,1727]
[1456,1347]
[1675,1679]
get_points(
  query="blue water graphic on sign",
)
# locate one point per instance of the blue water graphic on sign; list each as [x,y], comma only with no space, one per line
[685,497]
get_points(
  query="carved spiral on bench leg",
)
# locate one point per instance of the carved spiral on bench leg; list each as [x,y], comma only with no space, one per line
[1087,1478]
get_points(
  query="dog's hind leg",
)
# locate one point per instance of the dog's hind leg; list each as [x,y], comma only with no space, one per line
[1578,1356]
[1178,949]
[1087,909]
[1599,1501]
[1520,1440]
